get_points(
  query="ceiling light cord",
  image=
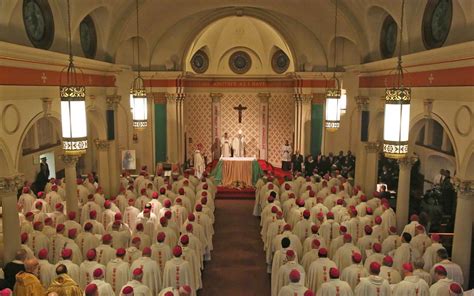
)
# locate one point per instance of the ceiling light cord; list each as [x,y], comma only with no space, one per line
[399,65]
[335,41]
[138,42]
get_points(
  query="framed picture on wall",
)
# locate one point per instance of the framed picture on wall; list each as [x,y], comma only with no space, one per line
[129,160]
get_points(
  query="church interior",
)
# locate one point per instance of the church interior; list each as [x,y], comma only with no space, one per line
[240,99]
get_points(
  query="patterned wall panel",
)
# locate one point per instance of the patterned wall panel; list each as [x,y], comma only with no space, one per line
[198,122]
[249,125]
[280,125]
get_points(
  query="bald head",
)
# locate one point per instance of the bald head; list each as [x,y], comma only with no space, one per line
[31,265]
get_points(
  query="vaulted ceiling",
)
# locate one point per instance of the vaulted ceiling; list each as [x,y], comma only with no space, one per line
[168,28]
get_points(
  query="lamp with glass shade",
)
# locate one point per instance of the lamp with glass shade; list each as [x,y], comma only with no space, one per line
[333,95]
[73,105]
[138,95]
[397,110]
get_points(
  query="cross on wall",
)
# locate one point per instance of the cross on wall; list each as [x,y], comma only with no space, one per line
[431,78]
[44,78]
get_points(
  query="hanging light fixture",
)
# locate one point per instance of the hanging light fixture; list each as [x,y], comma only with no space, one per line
[397,109]
[343,99]
[73,104]
[138,96]
[333,115]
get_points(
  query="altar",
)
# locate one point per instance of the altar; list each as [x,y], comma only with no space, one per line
[230,170]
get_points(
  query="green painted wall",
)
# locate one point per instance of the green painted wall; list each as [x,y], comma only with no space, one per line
[160,132]
[317,121]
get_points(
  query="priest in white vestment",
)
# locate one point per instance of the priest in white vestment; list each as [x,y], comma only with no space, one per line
[354,272]
[103,288]
[430,257]
[334,286]
[442,285]
[411,285]
[343,256]
[105,252]
[87,268]
[388,272]
[199,164]
[318,272]
[238,145]
[139,289]
[46,271]
[161,251]
[285,269]
[117,272]
[295,287]
[373,285]
[454,270]
[151,271]
[178,271]
[226,145]
[405,253]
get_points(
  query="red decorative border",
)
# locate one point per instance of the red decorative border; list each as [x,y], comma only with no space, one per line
[436,78]
[238,83]
[36,77]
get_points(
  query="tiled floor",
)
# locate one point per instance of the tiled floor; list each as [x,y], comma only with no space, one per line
[238,261]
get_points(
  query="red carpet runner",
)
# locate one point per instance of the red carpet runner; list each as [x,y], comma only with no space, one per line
[238,265]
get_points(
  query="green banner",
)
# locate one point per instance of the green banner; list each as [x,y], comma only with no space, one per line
[317,121]
[160,132]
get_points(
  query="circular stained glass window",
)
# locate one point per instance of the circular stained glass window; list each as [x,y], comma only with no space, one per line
[280,62]
[240,62]
[200,62]
[388,37]
[39,23]
[88,37]
[436,22]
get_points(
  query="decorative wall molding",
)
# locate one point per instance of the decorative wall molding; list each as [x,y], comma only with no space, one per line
[407,162]
[11,119]
[465,188]
[69,160]
[238,83]
[455,77]
[11,184]
[428,107]
[112,101]
[101,145]
[373,147]
[47,104]
[362,103]
[39,77]
[463,120]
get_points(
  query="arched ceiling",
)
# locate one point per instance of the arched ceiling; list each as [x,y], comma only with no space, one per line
[169,27]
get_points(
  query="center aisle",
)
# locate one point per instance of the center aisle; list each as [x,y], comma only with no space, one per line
[238,261]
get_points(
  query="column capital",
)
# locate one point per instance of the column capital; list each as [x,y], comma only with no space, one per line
[362,102]
[464,188]
[407,162]
[373,147]
[264,97]
[216,97]
[69,160]
[10,184]
[307,98]
[101,145]
[113,101]
[47,103]
[428,107]
[180,97]
[171,98]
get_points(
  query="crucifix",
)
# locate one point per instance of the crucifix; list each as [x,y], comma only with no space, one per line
[240,108]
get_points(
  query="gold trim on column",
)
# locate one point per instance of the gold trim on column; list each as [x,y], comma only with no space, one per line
[373,147]
[101,145]
[11,184]
[69,160]
[464,188]
[113,101]
[362,103]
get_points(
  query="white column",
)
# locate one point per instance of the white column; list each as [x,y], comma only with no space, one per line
[372,150]
[71,185]
[305,124]
[361,152]
[103,163]
[462,241]
[172,126]
[263,126]
[114,157]
[10,221]
[403,192]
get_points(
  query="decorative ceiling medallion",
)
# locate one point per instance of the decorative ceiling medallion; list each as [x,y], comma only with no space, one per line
[280,62]
[200,62]
[388,37]
[240,62]
[436,22]
[39,23]
[88,36]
